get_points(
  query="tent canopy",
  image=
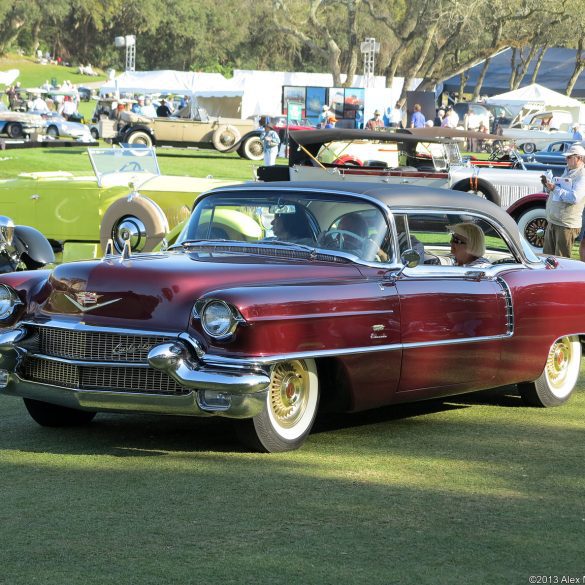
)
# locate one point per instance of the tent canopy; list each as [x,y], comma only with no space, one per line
[8,77]
[535,94]
[556,70]
[170,82]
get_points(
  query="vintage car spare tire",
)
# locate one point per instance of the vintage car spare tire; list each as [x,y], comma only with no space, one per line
[559,377]
[480,187]
[139,137]
[251,148]
[291,406]
[225,137]
[138,219]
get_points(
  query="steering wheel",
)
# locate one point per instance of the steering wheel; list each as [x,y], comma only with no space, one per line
[343,240]
[497,150]
[131,166]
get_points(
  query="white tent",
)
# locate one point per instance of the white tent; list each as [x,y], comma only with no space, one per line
[8,77]
[536,97]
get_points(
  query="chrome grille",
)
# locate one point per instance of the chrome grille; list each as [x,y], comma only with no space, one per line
[106,378]
[98,346]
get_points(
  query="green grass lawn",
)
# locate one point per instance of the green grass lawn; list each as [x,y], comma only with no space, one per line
[474,490]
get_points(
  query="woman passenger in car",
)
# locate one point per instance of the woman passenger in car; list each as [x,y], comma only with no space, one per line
[468,245]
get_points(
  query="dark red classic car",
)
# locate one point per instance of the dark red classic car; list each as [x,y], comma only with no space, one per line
[280,299]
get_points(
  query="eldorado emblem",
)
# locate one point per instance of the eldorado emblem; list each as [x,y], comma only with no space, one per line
[88,301]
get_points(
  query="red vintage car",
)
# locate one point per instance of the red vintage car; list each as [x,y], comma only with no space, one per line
[280,299]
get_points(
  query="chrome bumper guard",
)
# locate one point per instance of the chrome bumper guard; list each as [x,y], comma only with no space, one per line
[234,392]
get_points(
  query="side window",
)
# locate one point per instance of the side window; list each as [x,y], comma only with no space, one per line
[430,234]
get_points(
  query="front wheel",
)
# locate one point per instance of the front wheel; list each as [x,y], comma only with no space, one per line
[290,410]
[532,225]
[14,130]
[139,137]
[251,148]
[53,131]
[52,415]
[559,377]
[529,147]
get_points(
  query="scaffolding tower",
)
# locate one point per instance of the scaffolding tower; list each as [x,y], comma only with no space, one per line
[369,48]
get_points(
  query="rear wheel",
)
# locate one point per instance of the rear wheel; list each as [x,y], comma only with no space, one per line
[559,377]
[291,407]
[53,131]
[52,415]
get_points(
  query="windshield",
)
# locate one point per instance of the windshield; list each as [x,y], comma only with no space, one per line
[314,221]
[133,160]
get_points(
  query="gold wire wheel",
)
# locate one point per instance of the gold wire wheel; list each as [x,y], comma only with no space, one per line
[558,362]
[289,393]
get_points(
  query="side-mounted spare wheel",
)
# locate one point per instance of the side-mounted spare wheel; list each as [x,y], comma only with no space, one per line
[479,187]
[559,377]
[137,219]
[225,137]
[291,406]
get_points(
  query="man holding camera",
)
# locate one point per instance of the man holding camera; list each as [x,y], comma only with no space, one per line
[565,203]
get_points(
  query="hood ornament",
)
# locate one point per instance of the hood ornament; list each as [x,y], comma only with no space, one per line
[88,301]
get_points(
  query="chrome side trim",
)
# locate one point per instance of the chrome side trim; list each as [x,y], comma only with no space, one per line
[509,304]
[268,360]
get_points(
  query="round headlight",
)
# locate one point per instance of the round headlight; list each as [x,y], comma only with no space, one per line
[8,300]
[217,319]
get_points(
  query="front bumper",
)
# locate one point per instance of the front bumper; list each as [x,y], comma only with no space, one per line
[232,391]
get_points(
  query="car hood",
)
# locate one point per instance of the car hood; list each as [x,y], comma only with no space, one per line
[157,291]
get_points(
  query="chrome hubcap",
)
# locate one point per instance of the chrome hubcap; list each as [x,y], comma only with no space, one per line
[557,363]
[289,393]
[130,229]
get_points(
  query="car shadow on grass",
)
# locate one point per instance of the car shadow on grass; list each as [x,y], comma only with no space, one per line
[133,435]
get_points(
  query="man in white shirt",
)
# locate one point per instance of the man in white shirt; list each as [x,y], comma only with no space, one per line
[39,105]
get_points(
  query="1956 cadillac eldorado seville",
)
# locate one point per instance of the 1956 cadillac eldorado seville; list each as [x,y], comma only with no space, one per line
[273,305]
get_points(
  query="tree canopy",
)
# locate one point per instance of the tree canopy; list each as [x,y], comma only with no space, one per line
[429,39]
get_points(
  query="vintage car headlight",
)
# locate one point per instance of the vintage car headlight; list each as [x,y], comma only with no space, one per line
[8,300]
[217,318]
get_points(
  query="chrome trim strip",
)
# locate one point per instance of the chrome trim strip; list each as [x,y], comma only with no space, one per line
[267,360]
[81,326]
[100,364]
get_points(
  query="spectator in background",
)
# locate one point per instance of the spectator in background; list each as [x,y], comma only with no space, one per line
[564,205]
[451,119]
[270,142]
[39,105]
[163,111]
[577,132]
[439,117]
[396,116]
[417,120]
[148,109]
[137,107]
[471,122]
[324,116]
[375,122]
[67,108]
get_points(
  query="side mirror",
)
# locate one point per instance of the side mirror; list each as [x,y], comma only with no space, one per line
[410,258]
